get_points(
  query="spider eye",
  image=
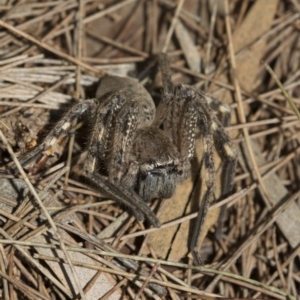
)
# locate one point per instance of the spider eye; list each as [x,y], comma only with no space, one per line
[179,170]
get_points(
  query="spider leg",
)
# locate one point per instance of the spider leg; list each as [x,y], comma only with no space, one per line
[228,155]
[227,152]
[167,91]
[55,140]
[184,133]
[208,176]
[195,113]
[123,130]
[222,141]
[222,110]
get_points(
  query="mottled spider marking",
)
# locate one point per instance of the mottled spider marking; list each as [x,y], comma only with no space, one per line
[222,110]
[100,142]
[226,150]
[220,114]
[124,133]
[187,131]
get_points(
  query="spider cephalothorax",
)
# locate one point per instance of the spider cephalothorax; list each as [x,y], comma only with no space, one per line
[145,152]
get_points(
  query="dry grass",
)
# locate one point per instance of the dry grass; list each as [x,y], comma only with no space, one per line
[63,240]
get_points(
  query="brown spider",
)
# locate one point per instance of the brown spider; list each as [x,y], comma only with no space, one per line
[137,153]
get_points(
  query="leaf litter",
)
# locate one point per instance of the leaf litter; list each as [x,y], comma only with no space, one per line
[55,52]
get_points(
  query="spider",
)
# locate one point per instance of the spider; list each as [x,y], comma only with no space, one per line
[137,152]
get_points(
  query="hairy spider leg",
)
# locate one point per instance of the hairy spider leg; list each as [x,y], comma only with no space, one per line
[221,110]
[228,155]
[196,113]
[116,105]
[192,109]
[225,149]
[223,143]
[167,91]
[184,117]
[53,143]
[124,132]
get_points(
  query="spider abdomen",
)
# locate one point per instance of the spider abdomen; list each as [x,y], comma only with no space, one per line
[135,91]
